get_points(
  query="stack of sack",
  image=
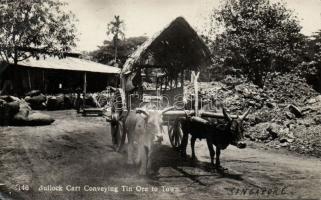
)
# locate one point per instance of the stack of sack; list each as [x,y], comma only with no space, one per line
[36,100]
[17,112]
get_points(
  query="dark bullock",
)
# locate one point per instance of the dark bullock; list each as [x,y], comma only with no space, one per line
[216,133]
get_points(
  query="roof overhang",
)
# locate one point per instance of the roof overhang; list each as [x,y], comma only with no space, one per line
[70,64]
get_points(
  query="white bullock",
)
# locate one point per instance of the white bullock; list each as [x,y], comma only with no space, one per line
[145,128]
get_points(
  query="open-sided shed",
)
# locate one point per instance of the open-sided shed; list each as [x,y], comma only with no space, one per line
[53,74]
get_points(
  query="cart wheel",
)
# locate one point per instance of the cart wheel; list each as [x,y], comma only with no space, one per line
[175,134]
[118,108]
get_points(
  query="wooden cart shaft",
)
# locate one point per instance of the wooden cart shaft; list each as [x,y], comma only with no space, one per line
[183,113]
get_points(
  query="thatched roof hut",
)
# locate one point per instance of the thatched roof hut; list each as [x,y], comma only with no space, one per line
[177,45]
[175,48]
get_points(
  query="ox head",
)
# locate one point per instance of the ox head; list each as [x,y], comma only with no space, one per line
[154,122]
[235,128]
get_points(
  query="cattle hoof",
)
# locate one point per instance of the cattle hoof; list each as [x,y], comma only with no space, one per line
[153,174]
[182,152]
[141,173]
[194,159]
[142,176]
[220,168]
[137,162]
[130,162]
[184,158]
[158,140]
[183,155]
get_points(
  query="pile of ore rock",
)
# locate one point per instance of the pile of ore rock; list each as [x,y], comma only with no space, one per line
[17,112]
[286,112]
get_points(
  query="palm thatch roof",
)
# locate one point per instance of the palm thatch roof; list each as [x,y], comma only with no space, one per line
[174,48]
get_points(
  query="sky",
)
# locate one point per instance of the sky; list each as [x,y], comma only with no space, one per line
[146,17]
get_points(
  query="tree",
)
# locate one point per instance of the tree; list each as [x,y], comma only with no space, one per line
[311,65]
[115,28]
[33,26]
[313,48]
[256,37]
[105,53]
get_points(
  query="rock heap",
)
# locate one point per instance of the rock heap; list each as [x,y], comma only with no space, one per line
[286,111]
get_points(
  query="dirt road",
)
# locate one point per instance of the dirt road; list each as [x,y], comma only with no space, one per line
[75,157]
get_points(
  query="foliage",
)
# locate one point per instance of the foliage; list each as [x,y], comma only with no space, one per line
[313,48]
[105,53]
[33,26]
[311,65]
[256,37]
[115,28]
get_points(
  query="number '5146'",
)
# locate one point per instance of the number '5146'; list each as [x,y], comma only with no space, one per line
[22,187]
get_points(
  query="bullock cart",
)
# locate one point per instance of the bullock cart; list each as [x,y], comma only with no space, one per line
[119,111]
[154,75]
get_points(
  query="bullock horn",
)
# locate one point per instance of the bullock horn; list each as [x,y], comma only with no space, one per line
[226,115]
[139,110]
[246,113]
[167,109]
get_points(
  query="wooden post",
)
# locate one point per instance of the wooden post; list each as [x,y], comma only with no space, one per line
[161,84]
[122,82]
[194,79]
[123,87]
[176,81]
[182,79]
[44,82]
[29,79]
[85,89]
[156,84]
